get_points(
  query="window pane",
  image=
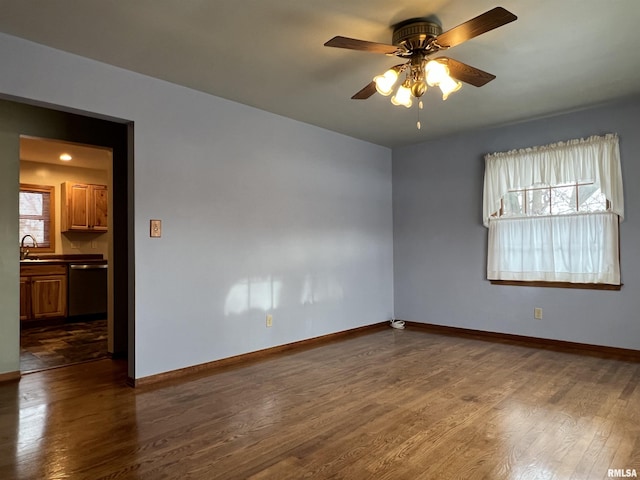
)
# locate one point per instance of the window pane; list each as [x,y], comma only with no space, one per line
[31,203]
[591,199]
[35,228]
[538,201]
[563,200]
[35,215]
[513,204]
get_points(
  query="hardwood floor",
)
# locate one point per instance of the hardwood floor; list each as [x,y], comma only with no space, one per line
[59,345]
[392,404]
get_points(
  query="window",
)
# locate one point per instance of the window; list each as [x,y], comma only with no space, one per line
[37,216]
[553,213]
[553,200]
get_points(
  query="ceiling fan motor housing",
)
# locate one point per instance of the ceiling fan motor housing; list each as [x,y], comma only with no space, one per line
[415,34]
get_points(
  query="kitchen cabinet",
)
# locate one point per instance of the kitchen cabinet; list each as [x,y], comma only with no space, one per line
[25,298]
[43,291]
[84,207]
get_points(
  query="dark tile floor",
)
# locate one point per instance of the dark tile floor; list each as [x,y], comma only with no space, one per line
[59,345]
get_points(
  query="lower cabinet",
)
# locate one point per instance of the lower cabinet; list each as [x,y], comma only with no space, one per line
[43,292]
[25,298]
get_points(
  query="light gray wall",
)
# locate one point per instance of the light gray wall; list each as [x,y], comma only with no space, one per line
[260,214]
[440,243]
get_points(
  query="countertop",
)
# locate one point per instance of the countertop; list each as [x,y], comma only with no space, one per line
[64,260]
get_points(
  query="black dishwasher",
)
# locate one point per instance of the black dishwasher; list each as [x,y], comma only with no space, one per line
[87,289]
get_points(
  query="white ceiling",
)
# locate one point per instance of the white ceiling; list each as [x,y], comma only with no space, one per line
[559,55]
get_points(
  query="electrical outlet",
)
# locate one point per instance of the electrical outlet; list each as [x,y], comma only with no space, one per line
[537,313]
[94,244]
[269,320]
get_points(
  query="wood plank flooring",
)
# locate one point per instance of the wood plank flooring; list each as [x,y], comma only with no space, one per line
[392,404]
[57,345]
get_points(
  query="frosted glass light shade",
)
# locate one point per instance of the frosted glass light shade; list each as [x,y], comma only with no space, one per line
[402,97]
[436,72]
[448,85]
[386,81]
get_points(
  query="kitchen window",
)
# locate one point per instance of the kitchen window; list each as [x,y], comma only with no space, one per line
[37,216]
[553,214]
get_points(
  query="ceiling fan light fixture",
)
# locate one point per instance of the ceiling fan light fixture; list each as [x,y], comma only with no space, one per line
[402,96]
[386,81]
[417,39]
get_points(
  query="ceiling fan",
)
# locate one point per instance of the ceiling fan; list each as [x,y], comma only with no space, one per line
[418,39]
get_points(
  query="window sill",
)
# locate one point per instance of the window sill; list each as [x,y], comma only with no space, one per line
[584,286]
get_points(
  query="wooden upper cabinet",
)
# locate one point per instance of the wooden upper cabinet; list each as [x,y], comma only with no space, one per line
[100,204]
[84,207]
[77,196]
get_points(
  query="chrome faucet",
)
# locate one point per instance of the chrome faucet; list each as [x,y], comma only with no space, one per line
[24,251]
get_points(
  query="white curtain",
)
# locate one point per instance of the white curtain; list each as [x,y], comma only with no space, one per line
[581,248]
[577,248]
[595,159]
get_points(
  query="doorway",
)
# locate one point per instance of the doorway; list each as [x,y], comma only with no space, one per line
[20,119]
[66,310]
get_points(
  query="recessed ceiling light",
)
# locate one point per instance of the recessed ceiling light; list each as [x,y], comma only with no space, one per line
[65,157]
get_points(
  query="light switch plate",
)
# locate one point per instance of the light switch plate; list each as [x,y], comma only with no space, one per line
[155,228]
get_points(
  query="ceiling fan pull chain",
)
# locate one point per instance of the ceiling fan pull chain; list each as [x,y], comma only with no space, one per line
[418,124]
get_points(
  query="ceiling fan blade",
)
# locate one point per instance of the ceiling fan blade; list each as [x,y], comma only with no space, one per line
[366,92]
[484,23]
[466,73]
[362,45]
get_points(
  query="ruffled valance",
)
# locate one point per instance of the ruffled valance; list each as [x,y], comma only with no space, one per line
[595,159]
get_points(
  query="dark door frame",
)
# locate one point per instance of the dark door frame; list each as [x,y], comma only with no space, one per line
[57,122]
